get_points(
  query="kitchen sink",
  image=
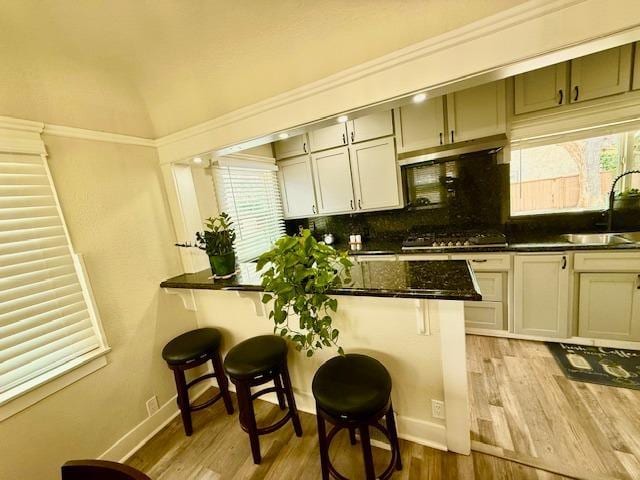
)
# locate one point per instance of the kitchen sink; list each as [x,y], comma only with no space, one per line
[598,238]
[630,236]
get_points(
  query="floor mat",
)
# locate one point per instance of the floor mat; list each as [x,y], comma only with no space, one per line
[616,367]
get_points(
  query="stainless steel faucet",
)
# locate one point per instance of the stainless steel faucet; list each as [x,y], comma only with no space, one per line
[612,196]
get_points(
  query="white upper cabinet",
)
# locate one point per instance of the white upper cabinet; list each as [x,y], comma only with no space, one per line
[375,174]
[476,112]
[420,125]
[636,68]
[601,74]
[328,137]
[541,295]
[291,147]
[332,178]
[375,125]
[296,186]
[540,89]
[609,306]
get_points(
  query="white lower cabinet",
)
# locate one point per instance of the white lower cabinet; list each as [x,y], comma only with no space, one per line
[609,306]
[488,315]
[541,295]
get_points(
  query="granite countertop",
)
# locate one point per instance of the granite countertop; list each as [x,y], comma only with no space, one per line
[441,280]
[520,243]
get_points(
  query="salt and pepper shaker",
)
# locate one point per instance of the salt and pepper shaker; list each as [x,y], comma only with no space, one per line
[355,242]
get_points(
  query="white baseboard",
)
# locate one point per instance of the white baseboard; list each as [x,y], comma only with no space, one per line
[418,431]
[135,438]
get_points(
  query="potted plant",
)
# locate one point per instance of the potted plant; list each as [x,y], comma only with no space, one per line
[217,241]
[296,274]
[628,199]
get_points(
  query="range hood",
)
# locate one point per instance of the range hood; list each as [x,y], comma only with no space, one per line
[440,153]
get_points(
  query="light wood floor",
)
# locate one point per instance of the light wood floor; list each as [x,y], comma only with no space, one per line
[522,403]
[219,450]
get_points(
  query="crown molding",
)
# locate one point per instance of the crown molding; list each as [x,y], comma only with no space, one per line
[85,134]
[481,28]
[21,136]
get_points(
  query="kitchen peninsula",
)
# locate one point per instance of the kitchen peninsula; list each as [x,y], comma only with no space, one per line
[407,314]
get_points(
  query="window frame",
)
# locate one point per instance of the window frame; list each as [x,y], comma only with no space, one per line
[19,137]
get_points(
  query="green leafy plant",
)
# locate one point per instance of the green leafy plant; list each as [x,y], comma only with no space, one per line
[218,239]
[298,272]
[632,192]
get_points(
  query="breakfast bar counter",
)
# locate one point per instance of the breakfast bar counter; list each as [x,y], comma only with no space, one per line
[409,315]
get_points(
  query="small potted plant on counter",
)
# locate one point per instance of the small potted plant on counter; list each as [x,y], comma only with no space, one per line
[298,271]
[218,242]
[628,199]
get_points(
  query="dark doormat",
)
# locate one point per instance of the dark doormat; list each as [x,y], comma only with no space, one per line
[616,367]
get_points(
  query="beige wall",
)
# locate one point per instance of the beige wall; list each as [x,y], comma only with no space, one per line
[115,208]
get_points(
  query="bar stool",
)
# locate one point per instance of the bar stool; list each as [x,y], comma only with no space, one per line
[187,351]
[254,362]
[354,392]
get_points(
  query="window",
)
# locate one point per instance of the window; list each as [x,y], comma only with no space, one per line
[572,175]
[248,191]
[47,320]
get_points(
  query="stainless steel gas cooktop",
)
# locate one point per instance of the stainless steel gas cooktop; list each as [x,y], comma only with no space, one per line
[458,240]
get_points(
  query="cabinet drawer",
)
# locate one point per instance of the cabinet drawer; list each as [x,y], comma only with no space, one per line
[491,285]
[607,262]
[486,262]
[484,315]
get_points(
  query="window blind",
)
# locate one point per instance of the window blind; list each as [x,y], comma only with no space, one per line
[250,195]
[45,321]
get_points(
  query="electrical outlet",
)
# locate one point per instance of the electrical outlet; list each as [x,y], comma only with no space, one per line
[437,409]
[152,405]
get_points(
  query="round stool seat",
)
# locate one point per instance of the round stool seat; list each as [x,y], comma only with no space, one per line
[191,346]
[255,355]
[352,387]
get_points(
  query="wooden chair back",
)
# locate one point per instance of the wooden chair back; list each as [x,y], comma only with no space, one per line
[100,470]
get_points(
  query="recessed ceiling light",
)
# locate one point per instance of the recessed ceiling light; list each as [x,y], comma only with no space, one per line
[419,97]
[197,160]
[283,135]
[342,119]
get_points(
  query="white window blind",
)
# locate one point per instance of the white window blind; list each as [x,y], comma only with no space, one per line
[250,195]
[45,320]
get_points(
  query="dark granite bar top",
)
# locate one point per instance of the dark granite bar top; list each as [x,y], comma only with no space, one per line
[441,280]
[529,243]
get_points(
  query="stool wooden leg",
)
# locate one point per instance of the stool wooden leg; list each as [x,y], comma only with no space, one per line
[279,391]
[223,383]
[291,401]
[324,448]
[183,401]
[393,434]
[352,435]
[365,440]
[246,406]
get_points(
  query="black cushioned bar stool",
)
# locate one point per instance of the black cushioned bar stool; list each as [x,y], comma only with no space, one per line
[254,362]
[354,392]
[187,351]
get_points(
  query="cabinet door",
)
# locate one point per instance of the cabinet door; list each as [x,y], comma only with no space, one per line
[420,125]
[487,315]
[328,137]
[540,89]
[375,174]
[296,185]
[476,112]
[541,295]
[376,125]
[601,74]
[636,68]
[609,306]
[291,147]
[332,177]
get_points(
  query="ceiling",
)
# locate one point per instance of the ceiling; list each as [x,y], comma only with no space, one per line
[151,68]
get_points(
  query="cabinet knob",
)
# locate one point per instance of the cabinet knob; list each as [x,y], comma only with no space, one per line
[576,91]
[344,139]
[564,262]
[452,136]
[440,138]
[304,147]
[353,136]
[477,260]
[560,96]
[359,204]
[313,208]
[351,204]
[638,282]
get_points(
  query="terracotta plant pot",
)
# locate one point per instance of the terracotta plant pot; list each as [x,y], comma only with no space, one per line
[222,265]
